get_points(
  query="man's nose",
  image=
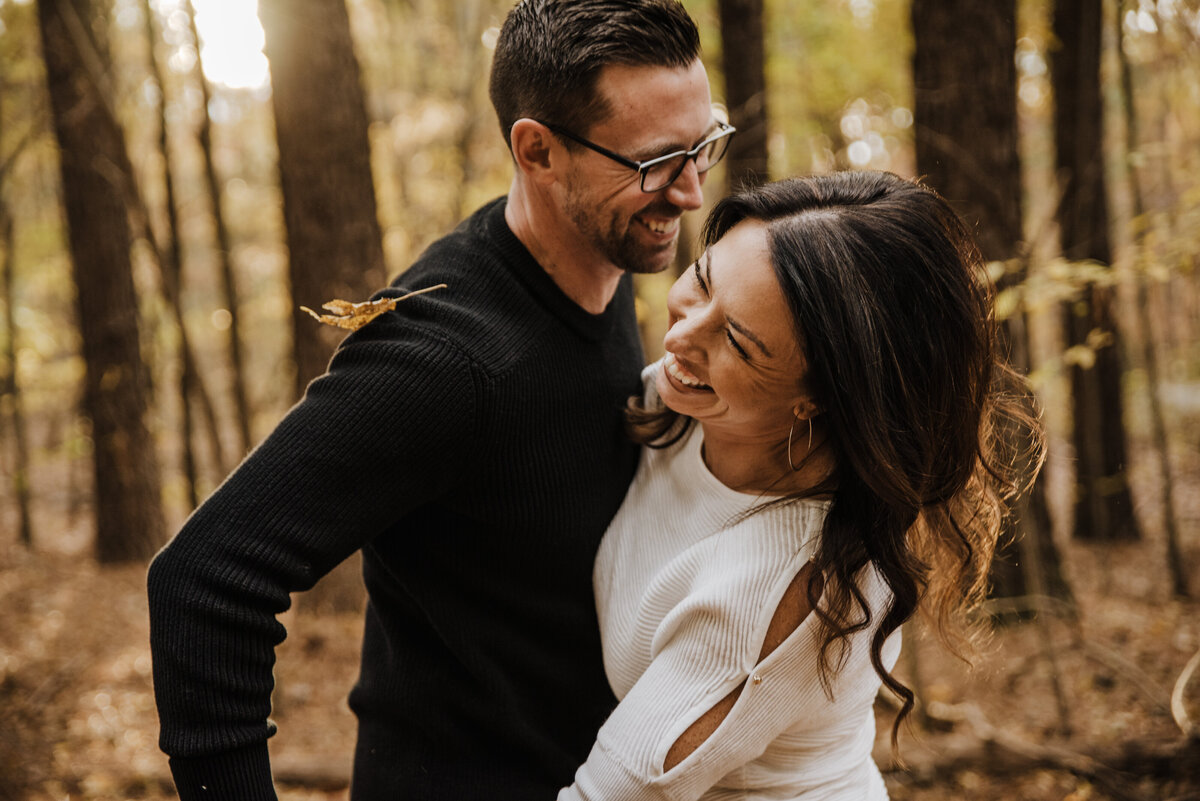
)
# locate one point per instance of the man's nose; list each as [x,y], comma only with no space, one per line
[685,191]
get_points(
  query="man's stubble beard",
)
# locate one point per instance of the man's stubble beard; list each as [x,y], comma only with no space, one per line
[618,242]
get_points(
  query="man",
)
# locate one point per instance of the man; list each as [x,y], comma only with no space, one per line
[470,443]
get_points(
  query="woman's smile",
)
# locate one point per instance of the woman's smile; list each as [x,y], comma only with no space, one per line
[732,360]
[683,375]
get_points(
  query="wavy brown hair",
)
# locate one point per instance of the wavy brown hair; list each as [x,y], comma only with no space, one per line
[931,434]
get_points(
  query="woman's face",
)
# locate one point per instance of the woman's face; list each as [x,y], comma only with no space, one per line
[732,361]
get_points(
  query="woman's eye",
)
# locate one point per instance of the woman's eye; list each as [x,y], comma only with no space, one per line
[741,351]
[699,280]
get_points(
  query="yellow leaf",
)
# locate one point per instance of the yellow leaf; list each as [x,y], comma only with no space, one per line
[353,316]
[1007,302]
[1098,338]
[1081,355]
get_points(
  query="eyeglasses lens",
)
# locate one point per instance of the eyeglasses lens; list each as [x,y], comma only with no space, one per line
[664,174]
[711,154]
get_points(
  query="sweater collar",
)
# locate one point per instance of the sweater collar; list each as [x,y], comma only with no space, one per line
[590,327]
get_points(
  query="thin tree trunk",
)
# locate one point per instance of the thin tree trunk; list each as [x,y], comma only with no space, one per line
[1040,569]
[1103,504]
[78,488]
[1175,566]
[1184,289]
[911,654]
[333,235]
[172,272]
[12,388]
[197,391]
[468,16]
[965,114]
[224,252]
[94,163]
[743,61]
[91,60]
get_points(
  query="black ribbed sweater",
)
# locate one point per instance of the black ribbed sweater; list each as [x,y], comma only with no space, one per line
[471,444]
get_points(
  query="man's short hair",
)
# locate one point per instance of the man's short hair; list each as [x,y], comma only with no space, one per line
[550,54]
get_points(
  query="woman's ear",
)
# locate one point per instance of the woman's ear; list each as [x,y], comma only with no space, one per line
[806,409]
[532,146]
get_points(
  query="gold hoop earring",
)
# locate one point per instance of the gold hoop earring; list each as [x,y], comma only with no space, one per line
[792,431]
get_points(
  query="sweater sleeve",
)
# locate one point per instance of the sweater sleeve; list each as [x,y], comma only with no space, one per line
[382,432]
[704,648]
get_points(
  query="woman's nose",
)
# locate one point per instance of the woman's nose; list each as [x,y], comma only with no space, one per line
[675,341]
[686,318]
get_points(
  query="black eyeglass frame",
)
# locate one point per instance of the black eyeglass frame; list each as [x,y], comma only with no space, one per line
[643,167]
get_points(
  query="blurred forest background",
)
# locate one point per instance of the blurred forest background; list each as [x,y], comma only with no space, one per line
[177,177]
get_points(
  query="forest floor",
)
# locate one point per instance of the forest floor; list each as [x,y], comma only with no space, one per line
[1054,712]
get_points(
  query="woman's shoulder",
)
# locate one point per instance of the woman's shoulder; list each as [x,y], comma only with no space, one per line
[771,532]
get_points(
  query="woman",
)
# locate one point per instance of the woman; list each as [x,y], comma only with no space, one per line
[823,460]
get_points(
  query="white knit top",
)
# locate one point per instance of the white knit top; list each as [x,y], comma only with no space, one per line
[685,588]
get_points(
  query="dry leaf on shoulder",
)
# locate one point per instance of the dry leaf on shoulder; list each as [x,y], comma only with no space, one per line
[353,316]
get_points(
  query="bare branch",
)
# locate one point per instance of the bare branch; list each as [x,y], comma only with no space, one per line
[22,143]
[1153,691]
[1112,781]
[1178,707]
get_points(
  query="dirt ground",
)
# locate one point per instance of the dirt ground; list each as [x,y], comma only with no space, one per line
[78,718]
[1062,711]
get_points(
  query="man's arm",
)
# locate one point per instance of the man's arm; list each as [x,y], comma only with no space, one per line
[374,437]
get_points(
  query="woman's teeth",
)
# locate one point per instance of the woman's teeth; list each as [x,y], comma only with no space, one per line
[683,376]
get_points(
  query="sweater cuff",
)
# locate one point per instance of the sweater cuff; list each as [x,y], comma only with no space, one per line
[605,776]
[244,774]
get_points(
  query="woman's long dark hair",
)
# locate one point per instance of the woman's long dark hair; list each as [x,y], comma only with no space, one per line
[893,312]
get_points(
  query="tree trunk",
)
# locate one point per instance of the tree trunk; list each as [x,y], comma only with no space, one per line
[224,253]
[168,256]
[94,163]
[1103,505]
[11,389]
[743,62]
[172,272]
[333,234]
[1175,566]
[965,115]
[468,24]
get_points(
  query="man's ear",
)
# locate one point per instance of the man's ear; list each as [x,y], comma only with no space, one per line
[533,148]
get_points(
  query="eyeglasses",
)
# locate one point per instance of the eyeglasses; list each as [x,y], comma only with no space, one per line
[660,172]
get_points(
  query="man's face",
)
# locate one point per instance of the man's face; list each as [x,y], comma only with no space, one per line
[655,111]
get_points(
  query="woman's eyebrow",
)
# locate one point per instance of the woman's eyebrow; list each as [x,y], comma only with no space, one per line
[741,329]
